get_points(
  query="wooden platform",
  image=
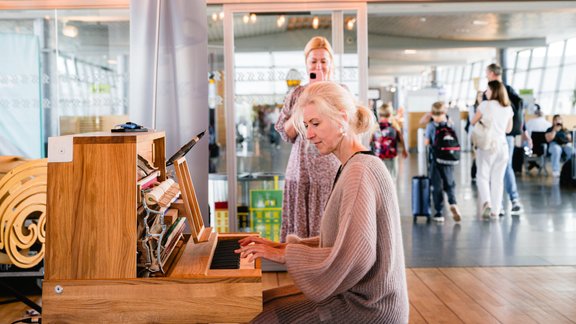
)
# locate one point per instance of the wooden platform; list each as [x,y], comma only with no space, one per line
[461,295]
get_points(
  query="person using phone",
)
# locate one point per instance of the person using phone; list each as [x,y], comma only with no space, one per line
[558,138]
[309,175]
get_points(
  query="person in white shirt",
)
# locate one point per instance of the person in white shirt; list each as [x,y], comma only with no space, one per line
[492,162]
[538,124]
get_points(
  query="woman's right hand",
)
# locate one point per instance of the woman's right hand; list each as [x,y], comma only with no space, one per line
[260,240]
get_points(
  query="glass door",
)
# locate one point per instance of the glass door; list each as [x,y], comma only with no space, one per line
[264,57]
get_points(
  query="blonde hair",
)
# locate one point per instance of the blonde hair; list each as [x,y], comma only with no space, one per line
[385,110]
[318,42]
[438,108]
[333,100]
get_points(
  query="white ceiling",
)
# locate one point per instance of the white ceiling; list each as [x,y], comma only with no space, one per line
[441,33]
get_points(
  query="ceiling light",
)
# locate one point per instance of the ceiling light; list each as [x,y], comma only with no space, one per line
[112,62]
[70,31]
[423,19]
[409,51]
[221,15]
[214,16]
[350,24]
[280,21]
[246,18]
[315,22]
[480,22]
[252,17]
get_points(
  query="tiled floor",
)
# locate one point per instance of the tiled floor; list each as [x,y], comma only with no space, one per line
[544,233]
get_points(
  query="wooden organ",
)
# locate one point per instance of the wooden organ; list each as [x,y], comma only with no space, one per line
[91,264]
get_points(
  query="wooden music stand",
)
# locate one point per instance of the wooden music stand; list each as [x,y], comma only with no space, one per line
[193,214]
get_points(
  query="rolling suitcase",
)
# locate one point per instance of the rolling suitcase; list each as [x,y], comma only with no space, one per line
[421,196]
[421,183]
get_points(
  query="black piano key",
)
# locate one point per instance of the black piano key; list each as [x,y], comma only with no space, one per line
[224,256]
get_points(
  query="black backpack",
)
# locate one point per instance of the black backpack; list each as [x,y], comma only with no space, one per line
[446,146]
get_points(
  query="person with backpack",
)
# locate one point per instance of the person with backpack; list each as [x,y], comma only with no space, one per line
[444,154]
[494,73]
[495,115]
[385,140]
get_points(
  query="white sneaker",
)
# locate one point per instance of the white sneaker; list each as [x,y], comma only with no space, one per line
[516,208]
[555,174]
[486,211]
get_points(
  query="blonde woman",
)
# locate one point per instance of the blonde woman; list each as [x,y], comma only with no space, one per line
[354,271]
[492,162]
[306,191]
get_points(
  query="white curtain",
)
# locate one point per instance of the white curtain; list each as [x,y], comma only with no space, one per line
[182,94]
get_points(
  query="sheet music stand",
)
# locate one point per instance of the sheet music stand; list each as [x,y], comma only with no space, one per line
[193,214]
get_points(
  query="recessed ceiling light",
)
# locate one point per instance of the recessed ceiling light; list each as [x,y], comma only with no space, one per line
[423,19]
[315,22]
[480,22]
[409,51]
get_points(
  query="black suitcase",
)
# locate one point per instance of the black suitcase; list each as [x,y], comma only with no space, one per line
[421,196]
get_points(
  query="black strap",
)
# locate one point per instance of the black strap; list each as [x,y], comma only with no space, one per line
[343,165]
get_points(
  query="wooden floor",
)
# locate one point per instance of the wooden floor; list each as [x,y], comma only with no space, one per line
[460,295]
[485,295]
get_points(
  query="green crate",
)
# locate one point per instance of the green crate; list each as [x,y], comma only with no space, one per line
[265,198]
[267,222]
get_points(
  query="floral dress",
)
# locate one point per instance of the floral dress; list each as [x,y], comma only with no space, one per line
[308,179]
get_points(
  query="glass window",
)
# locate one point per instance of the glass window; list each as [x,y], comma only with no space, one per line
[458,74]
[533,81]
[555,53]
[467,71]
[546,101]
[550,79]
[570,56]
[519,80]
[77,39]
[538,56]
[523,59]
[564,102]
[568,81]
[477,69]
[253,59]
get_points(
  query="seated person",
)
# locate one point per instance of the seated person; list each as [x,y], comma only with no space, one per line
[559,140]
[539,123]
[354,271]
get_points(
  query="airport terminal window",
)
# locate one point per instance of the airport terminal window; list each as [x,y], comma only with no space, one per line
[538,57]
[555,51]
[550,79]
[570,55]
[77,62]
[534,78]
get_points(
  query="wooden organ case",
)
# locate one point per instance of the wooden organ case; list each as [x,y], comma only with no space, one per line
[91,244]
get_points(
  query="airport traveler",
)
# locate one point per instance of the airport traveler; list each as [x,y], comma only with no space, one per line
[559,141]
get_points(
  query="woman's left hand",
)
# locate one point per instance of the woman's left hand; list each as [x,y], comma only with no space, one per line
[253,251]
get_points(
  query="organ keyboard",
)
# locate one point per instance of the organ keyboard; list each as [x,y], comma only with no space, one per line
[91,235]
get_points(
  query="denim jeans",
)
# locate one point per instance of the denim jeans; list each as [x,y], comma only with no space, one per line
[556,153]
[442,179]
[509,176]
